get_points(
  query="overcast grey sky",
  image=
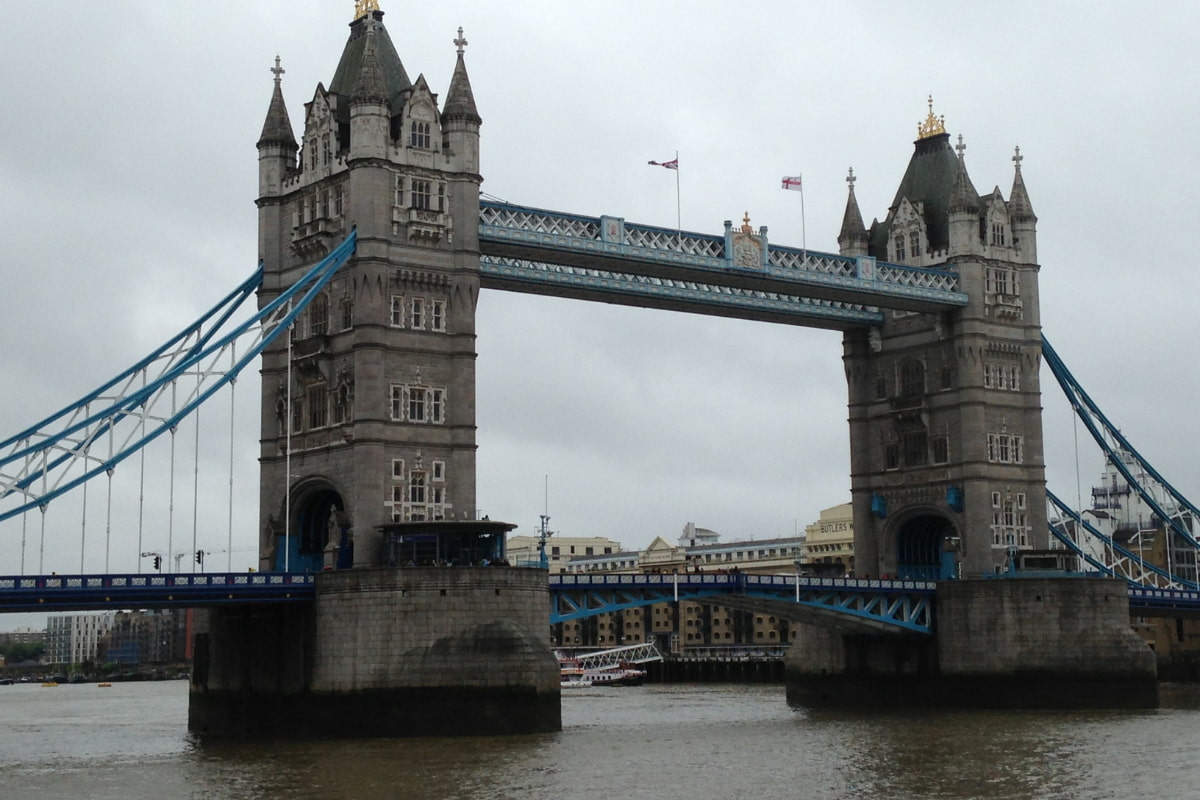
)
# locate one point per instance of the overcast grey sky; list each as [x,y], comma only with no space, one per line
[128,167]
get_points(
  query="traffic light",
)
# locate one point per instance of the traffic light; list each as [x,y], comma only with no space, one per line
[158,562]
[200,557]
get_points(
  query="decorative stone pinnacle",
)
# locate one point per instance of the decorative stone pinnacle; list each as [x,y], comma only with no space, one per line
[960,147]
[1018,158]
[278,71]
[460,42]
[932,126]
[364,7]
[850,179]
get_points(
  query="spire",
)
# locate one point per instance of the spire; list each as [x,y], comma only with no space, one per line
[963,197]
[278,128]
[1020,207]
[460,100]
[853,236]
[370,86]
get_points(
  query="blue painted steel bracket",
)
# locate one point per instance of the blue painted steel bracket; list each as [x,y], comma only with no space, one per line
[111,592]
[903,605]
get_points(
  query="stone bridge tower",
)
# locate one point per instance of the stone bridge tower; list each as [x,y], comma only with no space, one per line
[947,470]
[374,423]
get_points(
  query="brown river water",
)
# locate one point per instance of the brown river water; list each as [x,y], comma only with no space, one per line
[691,742]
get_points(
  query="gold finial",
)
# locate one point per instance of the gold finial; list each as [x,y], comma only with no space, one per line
[746,224]
[364,7]
[932,126]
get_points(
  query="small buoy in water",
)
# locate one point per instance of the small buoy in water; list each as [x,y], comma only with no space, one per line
[104,685]
[50,683]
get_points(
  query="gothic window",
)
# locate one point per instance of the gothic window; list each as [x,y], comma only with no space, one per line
[880,387]
[912,379]
[398,468]
[437,315]
[1010,523]
[323,205]
[421,192]
[347,315]
[397,315]
[416,319]
[947,375]
[419,135]
[998,234]
[416,487]
[416,404]
[439,470]
[891,455]
[318,316]
[318,409]
[297,415]
[398,393]
[915,449]
[338,198]
[1001,281]
[326,153]
[941,449]
[1005,448]
[437,401]
[399,190]
[441,201]
[900,248]
[914,243]
[1004,377]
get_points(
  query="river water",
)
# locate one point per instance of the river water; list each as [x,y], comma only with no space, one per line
[691,742]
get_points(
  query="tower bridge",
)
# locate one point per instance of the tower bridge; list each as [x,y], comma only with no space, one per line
[375,243]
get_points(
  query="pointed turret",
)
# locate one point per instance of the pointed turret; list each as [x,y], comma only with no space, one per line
[963,218]
[277,145]
[460,100]
[460,118]
[370,116]
[1024,221]
[852,240]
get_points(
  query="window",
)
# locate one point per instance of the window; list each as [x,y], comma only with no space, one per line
[1005,448]
[326,153]
[318,316]
[891,455]
[947,375]
[338,198]
[1001,281]
[436,399]
[399,190]
[398,468]
[914,243]
[437,315]
[880,387]
[1005,377]
[421,190]
[318,409]
[397,316]
[416,317]
[416,487]
[323,206]
[297,414]
[1010,523]
[900,248]
[915,451]
[416,404]
[347,313]
[912,379]
[941,449]
[398,402]
[439,470]
[419,135]
[998,234]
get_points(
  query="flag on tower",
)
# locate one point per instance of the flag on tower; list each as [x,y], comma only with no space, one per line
[793,183]
[673,164]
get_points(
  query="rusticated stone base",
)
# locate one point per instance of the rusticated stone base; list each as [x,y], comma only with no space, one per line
[380,653]
[1029,643]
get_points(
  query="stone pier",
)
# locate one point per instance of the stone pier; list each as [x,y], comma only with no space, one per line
[1022,643]
[383,652]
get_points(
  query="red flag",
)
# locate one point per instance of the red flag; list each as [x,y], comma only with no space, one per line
[793,183]
[673,164]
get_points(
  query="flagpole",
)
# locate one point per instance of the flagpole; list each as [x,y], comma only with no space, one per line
[803,231]
[678,216]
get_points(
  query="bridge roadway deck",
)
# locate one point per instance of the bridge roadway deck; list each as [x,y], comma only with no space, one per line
[895,606]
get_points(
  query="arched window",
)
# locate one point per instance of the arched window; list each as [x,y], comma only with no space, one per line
[318,316]
[914,243]
[900,247]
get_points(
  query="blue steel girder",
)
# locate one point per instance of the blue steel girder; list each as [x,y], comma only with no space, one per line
[112,592]
[647,291]
[875,605]
[609,244]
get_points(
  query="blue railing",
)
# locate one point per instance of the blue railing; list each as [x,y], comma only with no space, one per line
[91,592]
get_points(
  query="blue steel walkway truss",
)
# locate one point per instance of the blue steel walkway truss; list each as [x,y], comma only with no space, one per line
[113,592]
[610,260]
